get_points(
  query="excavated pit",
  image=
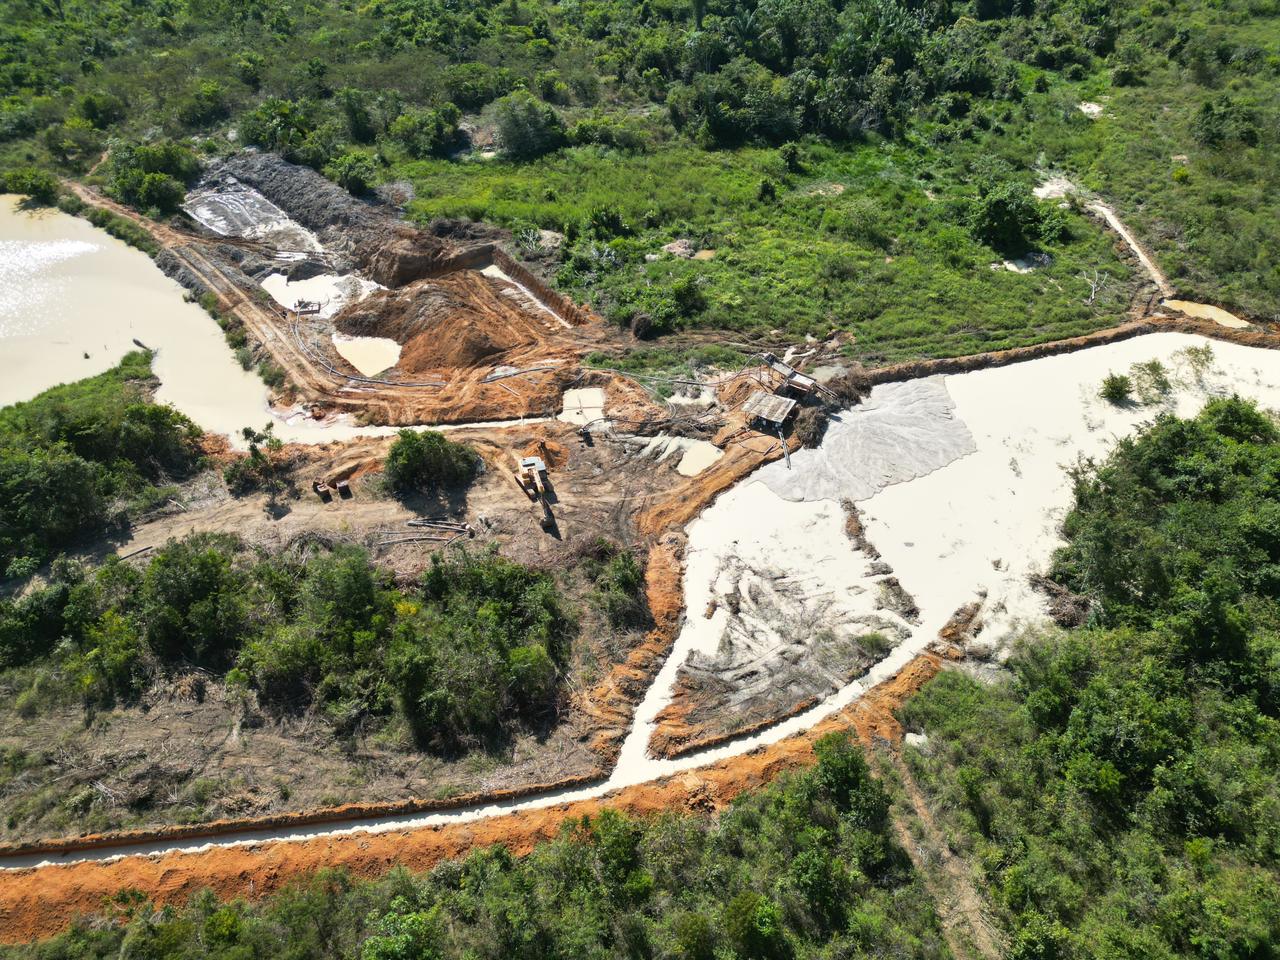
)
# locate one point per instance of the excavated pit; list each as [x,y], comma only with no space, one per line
[461,320]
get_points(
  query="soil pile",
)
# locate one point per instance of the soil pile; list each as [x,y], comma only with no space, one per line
[454,322]
[388,250]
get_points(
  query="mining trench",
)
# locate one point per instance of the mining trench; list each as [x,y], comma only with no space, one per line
[978,526]
[497,313]
[956,471]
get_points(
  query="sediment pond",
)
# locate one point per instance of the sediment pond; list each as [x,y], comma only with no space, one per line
[74,300]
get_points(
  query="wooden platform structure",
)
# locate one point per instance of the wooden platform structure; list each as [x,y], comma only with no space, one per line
[793,381]
[769,409]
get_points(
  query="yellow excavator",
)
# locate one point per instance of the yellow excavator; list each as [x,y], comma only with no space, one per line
[531,477]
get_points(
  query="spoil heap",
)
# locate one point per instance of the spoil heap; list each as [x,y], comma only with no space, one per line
[383,248]
[460,321]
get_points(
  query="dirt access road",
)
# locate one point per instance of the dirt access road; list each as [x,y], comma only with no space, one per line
[520,383]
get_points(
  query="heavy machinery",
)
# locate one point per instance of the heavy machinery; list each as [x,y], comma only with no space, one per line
[531,477]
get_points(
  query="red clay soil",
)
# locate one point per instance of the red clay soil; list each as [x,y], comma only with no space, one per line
[608,706]
[744,451]
[676,733]
[318,377]
[1155,323]
[611,703]
[461,320]
[41,902]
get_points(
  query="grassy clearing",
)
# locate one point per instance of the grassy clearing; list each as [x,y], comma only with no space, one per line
[852,243]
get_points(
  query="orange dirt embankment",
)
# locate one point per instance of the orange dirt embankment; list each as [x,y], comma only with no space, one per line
[744,451]
[611,703]
[1155,323]
[608,706]
[41,902]
[317,376]
[461,320]
[676,733]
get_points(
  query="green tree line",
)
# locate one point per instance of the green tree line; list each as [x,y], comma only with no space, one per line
[804,868]
[474,649]
[1120,791]
[75,457]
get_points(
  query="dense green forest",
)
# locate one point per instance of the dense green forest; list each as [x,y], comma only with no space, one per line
[474,649]
[1120,792]
[77,458]
[804,868]
[855,165]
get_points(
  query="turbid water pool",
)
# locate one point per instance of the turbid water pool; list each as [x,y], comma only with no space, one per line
[74,300]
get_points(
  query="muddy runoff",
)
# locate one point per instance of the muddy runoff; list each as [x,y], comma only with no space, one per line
[74,300]
[966,535]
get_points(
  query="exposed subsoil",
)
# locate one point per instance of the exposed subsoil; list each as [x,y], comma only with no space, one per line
[384,248]
[462,320]
[41,902]
[786,644]
[223,758]
[500,353]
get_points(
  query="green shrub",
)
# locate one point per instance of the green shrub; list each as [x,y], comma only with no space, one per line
[528,127]
[272,374]
[1006,216]
[619,587]
[425,460]
[1151,381]
[192,601]
[205,105]
[1117,389]
[472,85]
[426,133]
[152,176]
[69,452]
[353,171]
[40,185]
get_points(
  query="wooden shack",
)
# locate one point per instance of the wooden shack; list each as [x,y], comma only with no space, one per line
[768,411]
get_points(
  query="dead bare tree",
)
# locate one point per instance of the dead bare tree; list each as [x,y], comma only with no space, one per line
[1097,284]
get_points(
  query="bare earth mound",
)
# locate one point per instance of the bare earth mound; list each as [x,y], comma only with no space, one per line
[456,321]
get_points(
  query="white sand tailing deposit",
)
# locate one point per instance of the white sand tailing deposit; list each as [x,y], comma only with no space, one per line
[232,209]
[583,405]
[902,431]
[990,520]
[747,538]
[369,355]
[331,291]
[692,456]
[1207,311]
[963,502]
